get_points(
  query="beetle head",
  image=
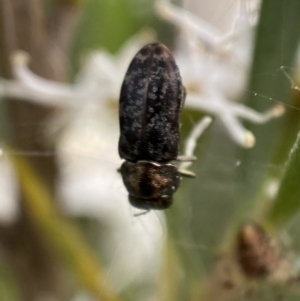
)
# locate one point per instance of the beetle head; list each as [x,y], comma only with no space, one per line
[150,185]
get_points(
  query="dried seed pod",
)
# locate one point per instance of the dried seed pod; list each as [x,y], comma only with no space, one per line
[256,251]
[151,97]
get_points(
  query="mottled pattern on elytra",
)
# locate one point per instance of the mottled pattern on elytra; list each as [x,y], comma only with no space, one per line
[150,102]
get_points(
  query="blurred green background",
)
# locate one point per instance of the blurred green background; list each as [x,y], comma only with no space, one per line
[48,253]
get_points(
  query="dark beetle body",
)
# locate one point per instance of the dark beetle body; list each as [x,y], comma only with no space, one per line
[150,102]
[151,97]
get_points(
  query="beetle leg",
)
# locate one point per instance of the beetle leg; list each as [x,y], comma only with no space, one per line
[186,173]
[186,158]
[141,213]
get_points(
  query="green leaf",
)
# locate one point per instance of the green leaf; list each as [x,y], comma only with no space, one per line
[230,180]
[277,41]
[287,201]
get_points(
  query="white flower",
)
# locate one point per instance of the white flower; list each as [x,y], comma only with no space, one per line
[214,68]
[88,159]
[99,80]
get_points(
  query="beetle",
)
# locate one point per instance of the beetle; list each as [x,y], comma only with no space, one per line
[152,95]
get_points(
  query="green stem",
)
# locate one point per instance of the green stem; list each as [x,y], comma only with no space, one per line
[287,202]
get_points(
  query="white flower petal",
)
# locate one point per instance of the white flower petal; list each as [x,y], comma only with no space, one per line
[44,88]
[186,20]
[256,117]
[9,206]
[214,68]
[240,135]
